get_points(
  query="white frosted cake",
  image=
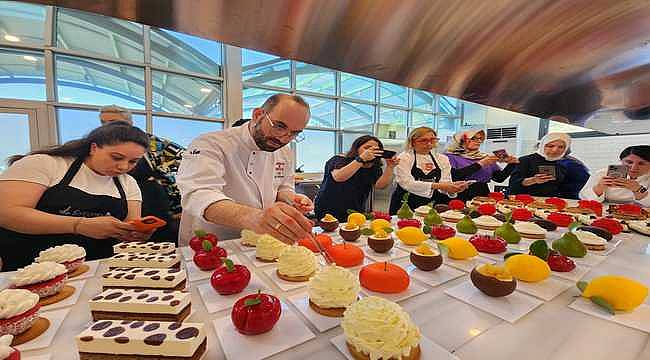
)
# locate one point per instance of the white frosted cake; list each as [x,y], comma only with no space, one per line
[142,247]
[114,339]
[144,260]
[144,278]
[141,304]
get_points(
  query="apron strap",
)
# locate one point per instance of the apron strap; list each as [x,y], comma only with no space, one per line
[120,189]
[72,171]
[433,158]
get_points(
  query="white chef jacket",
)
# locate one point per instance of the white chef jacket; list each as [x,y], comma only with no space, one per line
[228,165]
[612,194]
[421,188]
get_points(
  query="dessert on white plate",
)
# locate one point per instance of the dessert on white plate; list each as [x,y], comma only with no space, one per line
[141,304]
[43,278]
[142,247]
[297,264]
[487,222]
[69,255]
[530,230]
[452,215]
[590,240]
[333,290]
[144,278]
[144,260]
[269,249]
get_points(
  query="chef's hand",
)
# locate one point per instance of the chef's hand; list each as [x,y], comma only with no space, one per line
[537,179]
[629,184]
[488,160]
[103,227]
[282,221]
[511,159]
[303,203]
[371,154]
[392,162]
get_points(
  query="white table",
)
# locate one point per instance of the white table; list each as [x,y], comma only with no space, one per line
[552,331]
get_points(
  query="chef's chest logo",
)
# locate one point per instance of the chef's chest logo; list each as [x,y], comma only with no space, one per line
[279,169]
[427,166]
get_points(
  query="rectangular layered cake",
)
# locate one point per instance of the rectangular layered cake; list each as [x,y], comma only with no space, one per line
[144,260]
[114,339]
[142,247]
[141,304]
[144,278]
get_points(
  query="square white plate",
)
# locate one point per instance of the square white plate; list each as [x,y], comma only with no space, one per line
[546,290]
[258,264]
[590,259]
[288,332]
[284,284]
[196,274]
[429,350]
[509,308]
[494,257]
[214,302]
[56,318]
[433,278]
[79,288]
[321,322]
[574,275]
[36,357]
[392,254]
[238,245]
[638,319]
[92,265]
[467,265]
[414,289]
[187,253]
[523,245]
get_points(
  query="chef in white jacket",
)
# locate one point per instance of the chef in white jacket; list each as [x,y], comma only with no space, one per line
[242,177]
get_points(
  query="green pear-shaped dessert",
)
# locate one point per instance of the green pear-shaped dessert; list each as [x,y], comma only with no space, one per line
[507,232]
[466,226]
[569,245]
[405,211]
[433,218]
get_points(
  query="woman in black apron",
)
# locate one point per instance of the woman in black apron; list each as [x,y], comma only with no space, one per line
[422,140]
[96,235]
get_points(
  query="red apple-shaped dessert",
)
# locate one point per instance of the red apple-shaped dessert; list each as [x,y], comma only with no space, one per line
[456,205]
[384,278]
[196,242]
[488,244]
[560,263]
[324,240]
[346,255]
[560,219]
[593,205]
[442,232]
[381,215]
[487,209]
[521,214]
[256,313]
[498,196]
[559,204]
[408,222]
[209,258]
[524,198]
[230,279]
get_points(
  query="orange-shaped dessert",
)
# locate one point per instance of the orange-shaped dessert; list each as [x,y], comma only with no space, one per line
[384,277]
[324,240]
[346,255]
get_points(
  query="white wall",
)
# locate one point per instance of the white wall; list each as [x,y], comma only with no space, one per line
[598,152]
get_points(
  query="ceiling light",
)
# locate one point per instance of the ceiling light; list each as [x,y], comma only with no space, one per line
[187,105]
[30,58]
[12,38]
[206,90]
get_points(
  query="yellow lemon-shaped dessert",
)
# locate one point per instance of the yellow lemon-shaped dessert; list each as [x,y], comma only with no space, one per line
[528,268]
[459,248]
[622,293]
[379,224]
[357,219]
[411,235]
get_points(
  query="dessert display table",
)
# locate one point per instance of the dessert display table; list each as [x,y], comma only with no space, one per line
[552,330]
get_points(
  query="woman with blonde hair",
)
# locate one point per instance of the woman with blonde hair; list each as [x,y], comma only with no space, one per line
[423,173]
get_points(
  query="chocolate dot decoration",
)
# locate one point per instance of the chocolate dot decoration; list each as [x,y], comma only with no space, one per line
[155,248]
[155,277]
[122,340]
[142,296]
[138,290]
[174,326]
[167,297]
[130,277]
[97,298]
[125,322]
[113,331]
[152,299]
[174,302]
[168,291]
[170,278]
[86,338]
[188,332]
[155,339]
[135,271]
[124,299]
[119,276]
[123,246]
[151,327]
[172,271]
[136,324]
[105,276]
[114,295]
[101,325]
[152,272]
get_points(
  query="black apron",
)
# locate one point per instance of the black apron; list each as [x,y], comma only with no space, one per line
[415,200]
[19,249]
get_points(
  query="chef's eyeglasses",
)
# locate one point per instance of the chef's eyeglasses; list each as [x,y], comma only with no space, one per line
[426,141]
[280,130]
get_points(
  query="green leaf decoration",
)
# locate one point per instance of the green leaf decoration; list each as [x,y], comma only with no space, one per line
[350,211]
[603,304]
[200,233]
[539,248]
[206,245]
[506,256]
[367,232]
[253,301]
[405,198]
[369,216]
[582,285]
[388,230]
[230,266]
[426,229]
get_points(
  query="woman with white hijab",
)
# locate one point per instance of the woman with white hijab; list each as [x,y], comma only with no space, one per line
[550,171]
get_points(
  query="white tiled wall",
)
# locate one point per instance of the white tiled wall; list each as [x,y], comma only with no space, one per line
[598,152]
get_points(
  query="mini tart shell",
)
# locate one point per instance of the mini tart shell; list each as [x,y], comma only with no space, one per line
[329,226]
[350,235]
[491,286]
[425,262]
[294,278]
[381,245]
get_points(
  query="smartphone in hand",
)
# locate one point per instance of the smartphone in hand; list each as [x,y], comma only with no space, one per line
[617,171]
[147,223]
[546,170]
[388,154]
[501,153]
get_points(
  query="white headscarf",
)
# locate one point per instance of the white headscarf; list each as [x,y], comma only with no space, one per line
[457,145]
[552,137]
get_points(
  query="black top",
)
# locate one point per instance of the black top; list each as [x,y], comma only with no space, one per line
[337,197]
[528,166]
[478,188]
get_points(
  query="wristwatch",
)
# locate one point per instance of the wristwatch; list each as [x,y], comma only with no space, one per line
[359,159]
[642,189]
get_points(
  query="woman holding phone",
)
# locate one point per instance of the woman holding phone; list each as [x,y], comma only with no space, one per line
[626,183]
[468,162]
[77,193]
[550,171]
[348,179]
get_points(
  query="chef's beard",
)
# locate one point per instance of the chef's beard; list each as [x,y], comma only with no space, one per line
[263,142]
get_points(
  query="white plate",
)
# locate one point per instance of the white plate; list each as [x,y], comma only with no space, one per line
[284,284]
[433,278]
[36,357]
[494,257]
[196,274]
[509,308]
[546,290]
[78,289]
[392,254]
[321,322]
[258,264]
[414,289]
[238,245]
[429,350]
[288,332]
[574,275]
[589,260]
[467,265]
[56,318]
[214,302]
[92,265]
[187,253]
[638,319]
